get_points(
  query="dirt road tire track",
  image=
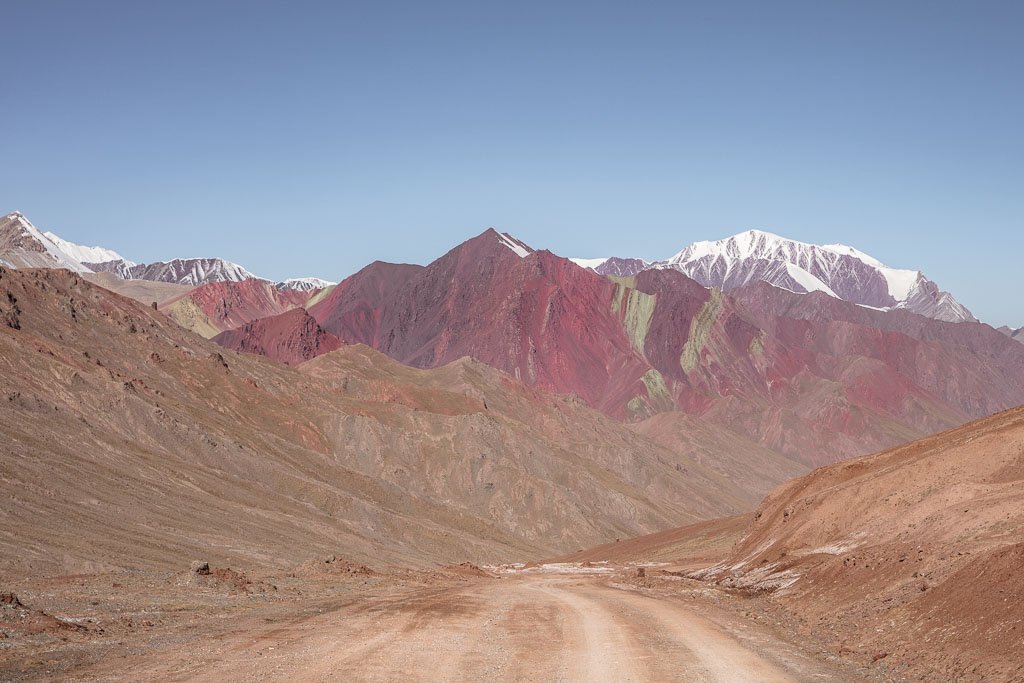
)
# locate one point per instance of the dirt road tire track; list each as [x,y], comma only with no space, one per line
[539,627]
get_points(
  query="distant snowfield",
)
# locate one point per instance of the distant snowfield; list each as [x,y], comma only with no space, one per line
[520,249]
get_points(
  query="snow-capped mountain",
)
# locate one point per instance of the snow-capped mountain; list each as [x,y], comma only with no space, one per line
[119,267]
[619,267]
[23,245]
[190,271]
[303,284]
[199,271]
[196,271]
[838,270]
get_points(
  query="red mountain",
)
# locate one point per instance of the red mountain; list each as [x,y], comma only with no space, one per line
[539,318]
[805,374]
[219,306]
[290,338]
[360,309]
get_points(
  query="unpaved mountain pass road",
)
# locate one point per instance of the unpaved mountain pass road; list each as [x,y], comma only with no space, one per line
[528,627]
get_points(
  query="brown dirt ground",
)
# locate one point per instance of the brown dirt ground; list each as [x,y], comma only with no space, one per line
[568,622]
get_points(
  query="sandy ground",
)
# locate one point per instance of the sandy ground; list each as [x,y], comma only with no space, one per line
[551,623]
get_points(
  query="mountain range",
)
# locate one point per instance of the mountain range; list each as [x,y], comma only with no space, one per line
[838,270]
[503,404]
[808,375]
[127,436]
[816,353]
[22,245]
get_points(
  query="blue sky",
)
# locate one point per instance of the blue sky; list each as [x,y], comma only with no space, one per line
[312,138]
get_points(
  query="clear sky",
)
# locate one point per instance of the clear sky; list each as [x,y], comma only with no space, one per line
[302,138]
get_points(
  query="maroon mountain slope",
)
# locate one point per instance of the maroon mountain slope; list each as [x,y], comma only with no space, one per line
[1017,334]
[358,303]
[539,318]
[219,306]
[821,378]
[290,338]
[973,367]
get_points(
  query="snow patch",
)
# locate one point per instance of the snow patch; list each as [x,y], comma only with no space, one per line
[808,281]
[901,281]
[592,263]
[744,245]
[84,254]
[520,249]
[304,284]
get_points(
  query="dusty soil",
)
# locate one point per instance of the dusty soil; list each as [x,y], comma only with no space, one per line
[690,547]
[569,621]
[913,555]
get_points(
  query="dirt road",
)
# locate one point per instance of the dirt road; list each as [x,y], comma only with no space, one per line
[532,627]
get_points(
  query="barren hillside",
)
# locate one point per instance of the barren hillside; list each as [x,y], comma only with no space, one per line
[914,553]
[129,441]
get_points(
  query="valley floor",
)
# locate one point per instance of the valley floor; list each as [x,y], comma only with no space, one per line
[565,622]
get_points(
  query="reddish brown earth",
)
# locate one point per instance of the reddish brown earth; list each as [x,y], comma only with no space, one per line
[912,555]
[290,338]
[17,618]
[809,376]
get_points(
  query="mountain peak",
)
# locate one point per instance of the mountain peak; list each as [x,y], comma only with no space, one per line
[491,236]
[23,245]
[836,269]
[304,284]
[754,242]
[756,232]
